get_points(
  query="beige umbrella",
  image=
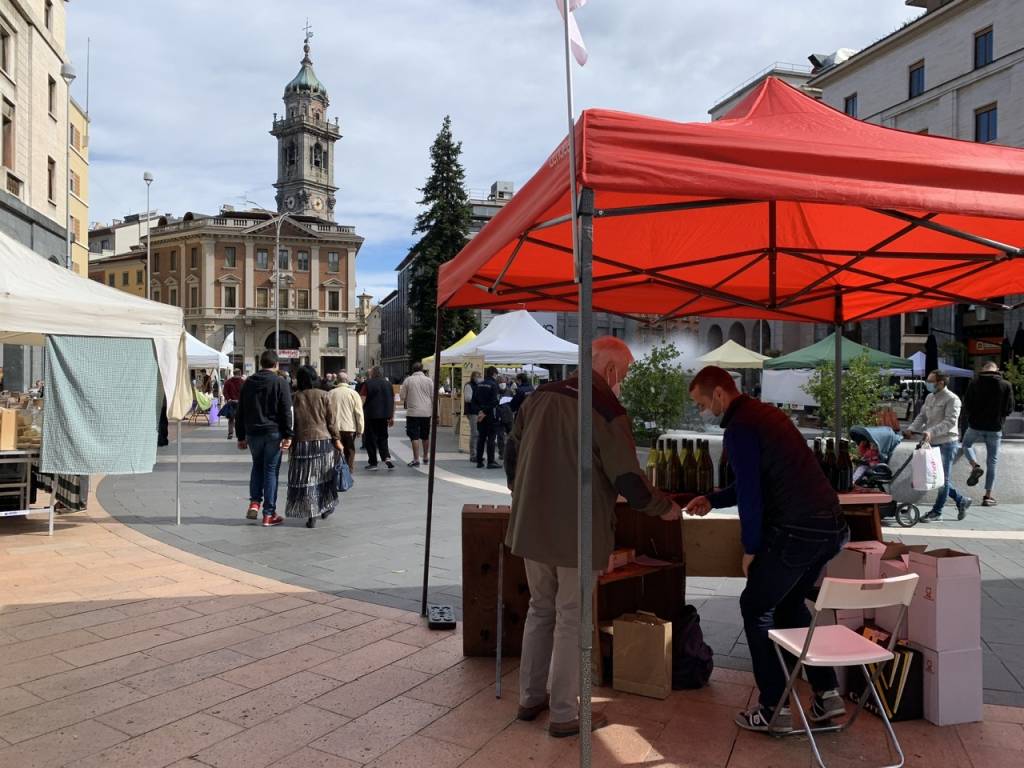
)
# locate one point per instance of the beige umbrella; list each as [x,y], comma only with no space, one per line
[731,356]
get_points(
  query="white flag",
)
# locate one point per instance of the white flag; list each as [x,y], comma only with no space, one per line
[579,50]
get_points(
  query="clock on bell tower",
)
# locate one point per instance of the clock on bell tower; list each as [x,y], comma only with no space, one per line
[305,145]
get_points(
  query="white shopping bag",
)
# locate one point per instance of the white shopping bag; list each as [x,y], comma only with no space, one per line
[926,469]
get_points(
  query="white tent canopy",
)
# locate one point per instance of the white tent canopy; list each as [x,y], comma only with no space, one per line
[202,356]
[39,298]
[515,337]
[918,360]
[732,355]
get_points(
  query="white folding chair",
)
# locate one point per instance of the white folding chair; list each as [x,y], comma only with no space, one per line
[840,646]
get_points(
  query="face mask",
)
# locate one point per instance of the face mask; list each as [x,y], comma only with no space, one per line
[930,386]
[502,386]
[709,417]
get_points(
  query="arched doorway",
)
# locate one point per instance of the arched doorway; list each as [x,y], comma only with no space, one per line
[765,330]
[738,334]
[714,337]
[288,348]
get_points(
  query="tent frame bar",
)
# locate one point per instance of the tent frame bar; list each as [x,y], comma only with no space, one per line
[438,328]
[1009,250]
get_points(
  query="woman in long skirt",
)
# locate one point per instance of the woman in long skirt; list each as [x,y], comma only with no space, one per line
[311,489]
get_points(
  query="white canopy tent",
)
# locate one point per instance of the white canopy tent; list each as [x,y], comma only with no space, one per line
[228,347]
[202,356]
[39,298]
[515,337]
[732,355]
[918,370]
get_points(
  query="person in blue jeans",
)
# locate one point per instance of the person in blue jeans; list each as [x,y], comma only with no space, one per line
[989,400]
[938,425]
[790,526]
[265,425]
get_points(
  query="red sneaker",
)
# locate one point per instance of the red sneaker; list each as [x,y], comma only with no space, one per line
[269,520]
[253,511]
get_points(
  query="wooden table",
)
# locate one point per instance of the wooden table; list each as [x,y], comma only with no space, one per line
[862,513]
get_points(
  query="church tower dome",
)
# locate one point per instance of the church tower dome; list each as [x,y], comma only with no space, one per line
[305,139]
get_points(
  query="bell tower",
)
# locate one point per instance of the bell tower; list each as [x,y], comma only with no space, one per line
[305,145]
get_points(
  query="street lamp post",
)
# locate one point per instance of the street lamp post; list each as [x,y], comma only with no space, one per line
[148,178]
[67,72]
[278,220]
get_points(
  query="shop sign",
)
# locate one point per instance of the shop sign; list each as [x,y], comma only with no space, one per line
[288,354]
[984,346]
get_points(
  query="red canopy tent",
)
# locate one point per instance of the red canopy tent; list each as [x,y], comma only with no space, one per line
[784,209]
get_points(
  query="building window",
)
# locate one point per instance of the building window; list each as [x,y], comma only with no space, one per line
[124,278]
[230,296]
[156,262]
[174,260]
[985,124]
[74,229]
[172,296]
[282,259]
[193,296]
[6,50]
[333,262]
[8,131]
[850,105]
[51,96]
[104,245]
[983,48]
[302,261]
[48,15]
[262,259]
[332,338]
[193,258]
[75,136]
[111,280]
[317,156]
[282,298]
[76,184]
[229,257]
[139,277]
[228,330]
[291,154]
[51,180]
[262,298]
[334,301]
[916,81]
[302,299]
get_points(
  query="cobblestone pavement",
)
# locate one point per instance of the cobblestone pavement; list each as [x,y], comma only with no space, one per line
[372,549]
[123,652]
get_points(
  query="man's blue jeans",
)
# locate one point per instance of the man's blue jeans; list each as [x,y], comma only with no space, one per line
[266,462]
[991,439]
[948,451]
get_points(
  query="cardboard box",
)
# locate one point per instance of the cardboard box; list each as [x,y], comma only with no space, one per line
[857,560]
[8,429]
[713,547]
[642,655]
[945,614]
[953,690]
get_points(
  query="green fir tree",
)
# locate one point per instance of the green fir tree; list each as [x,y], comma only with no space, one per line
[444,226]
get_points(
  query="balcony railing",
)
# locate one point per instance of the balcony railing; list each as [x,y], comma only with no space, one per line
[304,120]
[269,313]
[236,223]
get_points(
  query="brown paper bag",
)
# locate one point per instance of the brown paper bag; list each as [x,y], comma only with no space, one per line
[8,429]
[642,655]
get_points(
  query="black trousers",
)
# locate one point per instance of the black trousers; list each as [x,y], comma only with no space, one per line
[375,440]
[486,434]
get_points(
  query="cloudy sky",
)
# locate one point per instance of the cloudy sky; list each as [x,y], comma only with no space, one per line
[187,89]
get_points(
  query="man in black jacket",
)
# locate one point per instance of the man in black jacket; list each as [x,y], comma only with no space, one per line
[790,526]
[485,401]
[989,400]
[523,390]
[379,414]
[264,422]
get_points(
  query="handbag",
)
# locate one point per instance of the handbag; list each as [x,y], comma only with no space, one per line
[342,474]
[926,471]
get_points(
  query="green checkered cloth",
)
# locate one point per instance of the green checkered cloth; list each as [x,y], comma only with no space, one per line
[102,406]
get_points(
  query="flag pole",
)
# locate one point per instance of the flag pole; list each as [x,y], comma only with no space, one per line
[585,501]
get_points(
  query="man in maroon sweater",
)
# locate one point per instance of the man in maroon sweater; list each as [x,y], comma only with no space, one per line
[232,392]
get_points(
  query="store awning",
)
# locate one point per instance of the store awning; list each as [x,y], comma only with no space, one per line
[732,355]
[786,209]
[824,351]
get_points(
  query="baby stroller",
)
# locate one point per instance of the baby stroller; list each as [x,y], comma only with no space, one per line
[877,445]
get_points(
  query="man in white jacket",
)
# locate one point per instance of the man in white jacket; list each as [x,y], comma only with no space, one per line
[938,426]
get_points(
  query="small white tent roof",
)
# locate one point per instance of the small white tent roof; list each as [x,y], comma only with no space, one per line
[516,337]
[202,356]
[918,360]
[39,298]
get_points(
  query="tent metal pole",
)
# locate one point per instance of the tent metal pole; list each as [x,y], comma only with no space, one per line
[177,477]
[585,509]
[838,372]
[433,457]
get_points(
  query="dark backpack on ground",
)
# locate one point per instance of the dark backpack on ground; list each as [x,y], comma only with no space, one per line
[692,658]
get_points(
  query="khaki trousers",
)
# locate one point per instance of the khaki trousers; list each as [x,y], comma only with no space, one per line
[550,656]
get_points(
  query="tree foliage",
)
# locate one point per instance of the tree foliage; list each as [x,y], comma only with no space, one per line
[655,392]
[444,230]
[864,387]
[1015,375]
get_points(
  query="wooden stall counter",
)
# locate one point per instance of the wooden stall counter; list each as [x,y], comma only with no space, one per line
[862,511]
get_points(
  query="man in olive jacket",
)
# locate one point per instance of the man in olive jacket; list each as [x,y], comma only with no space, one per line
[541,463]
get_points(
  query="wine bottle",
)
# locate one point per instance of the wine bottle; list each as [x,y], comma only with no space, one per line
[818,452]
[844,468]
[724,470]
[690,469]
[651,468]
[831,462]
[662,465]
[675,469]
[706,470]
